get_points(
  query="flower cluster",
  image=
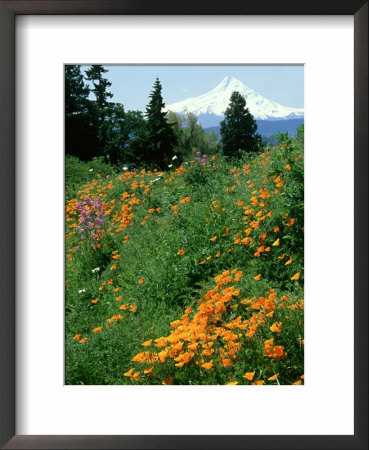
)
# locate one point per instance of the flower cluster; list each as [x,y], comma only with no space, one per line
[91,218]
[201,159]
[212,337]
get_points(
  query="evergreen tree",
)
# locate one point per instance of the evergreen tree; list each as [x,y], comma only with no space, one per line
[80,135]
[238,129]
[101,109]
[160,139]
[76,91]
[95,75]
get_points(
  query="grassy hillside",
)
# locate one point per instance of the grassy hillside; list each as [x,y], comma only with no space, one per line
[189,276]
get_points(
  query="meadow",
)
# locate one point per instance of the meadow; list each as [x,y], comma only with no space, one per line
[190,276]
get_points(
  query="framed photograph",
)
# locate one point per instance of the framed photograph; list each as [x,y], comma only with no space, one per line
[185,231]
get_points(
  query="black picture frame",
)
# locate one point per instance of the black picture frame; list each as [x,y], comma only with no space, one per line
[8,11]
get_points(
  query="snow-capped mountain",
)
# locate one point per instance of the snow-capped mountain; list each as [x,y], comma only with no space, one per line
[210,107]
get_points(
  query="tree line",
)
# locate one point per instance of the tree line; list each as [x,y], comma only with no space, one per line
[98,127]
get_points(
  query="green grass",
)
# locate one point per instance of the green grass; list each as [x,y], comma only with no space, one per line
[148,244]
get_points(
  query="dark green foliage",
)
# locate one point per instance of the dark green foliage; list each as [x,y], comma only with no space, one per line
[238,129]
[102,109]
[191,137]
[159,136]
[77,171]
[95,75]
[80,135]
[76,92]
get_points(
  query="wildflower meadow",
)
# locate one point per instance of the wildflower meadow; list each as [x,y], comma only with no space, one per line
[191,275]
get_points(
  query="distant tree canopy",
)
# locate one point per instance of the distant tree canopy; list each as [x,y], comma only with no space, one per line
[238,129]
[191,137]
[100,128]
[97,127]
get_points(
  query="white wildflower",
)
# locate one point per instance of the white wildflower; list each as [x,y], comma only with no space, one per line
[125,168]
[174,157]
[170,165]
[81,290]
[96,269]
[91,170]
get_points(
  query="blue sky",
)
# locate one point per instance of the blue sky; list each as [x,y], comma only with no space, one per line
[131,85]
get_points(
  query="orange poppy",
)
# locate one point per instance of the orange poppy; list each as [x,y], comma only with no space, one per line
[274,377]
[97,330]
[276,327]
[207,365]
[249,375]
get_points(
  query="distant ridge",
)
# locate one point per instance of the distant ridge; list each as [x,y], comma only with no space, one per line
[268,128]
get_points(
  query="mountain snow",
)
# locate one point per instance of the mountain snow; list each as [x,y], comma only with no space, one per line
[216,101]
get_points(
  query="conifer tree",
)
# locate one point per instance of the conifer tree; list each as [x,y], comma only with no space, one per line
[95,75]
[238,129]
[76,91]
[160,139]
[80,135]
[101,108]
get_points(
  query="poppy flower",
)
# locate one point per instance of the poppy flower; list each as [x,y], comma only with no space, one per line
[249,375]
[141,280]
[147,343]
[97,330]
[296,276]
[207,365]
[276,327]
[257,278]
[275,243]
[274,377]
[136,376]
[129,373]
[226,362]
